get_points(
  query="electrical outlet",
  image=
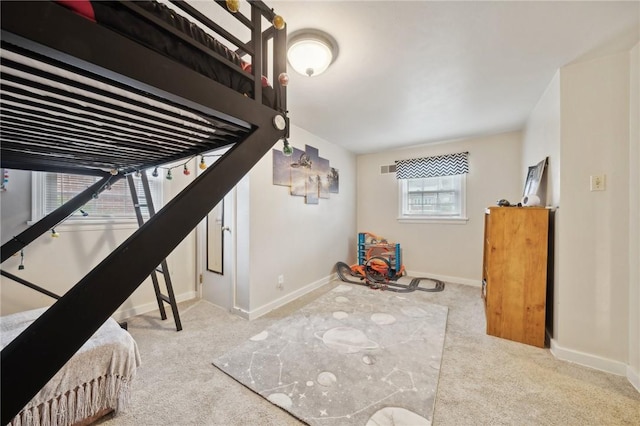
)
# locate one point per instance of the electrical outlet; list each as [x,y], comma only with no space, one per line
[597,182]
[280,282]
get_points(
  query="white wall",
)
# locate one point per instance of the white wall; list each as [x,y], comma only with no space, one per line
[634,218]
[287,237]
[592,307]
[447,251]
[59,263]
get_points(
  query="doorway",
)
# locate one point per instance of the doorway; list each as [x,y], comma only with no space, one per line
[216,251]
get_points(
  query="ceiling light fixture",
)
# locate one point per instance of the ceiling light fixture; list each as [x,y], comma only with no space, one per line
[311,51]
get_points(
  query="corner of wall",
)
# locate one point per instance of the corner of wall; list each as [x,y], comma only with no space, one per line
[634,378]
[587,360]
[634,217]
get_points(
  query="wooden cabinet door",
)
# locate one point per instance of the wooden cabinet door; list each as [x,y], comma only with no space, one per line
[516,273]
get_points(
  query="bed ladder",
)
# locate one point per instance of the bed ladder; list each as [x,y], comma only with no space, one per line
[162,268]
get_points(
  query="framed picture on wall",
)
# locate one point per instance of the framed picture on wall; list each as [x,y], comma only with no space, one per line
[534,176]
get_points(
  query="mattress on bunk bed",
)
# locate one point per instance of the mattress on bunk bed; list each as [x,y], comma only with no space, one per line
[95,381]
[121,19]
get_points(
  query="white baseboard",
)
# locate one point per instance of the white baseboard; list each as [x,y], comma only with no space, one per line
[633,377]
[289,297]
[446,278]
[588,360]
[121,315]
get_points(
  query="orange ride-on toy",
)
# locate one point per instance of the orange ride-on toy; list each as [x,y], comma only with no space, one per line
[380,266]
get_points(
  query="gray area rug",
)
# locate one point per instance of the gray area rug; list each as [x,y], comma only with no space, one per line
[353,356]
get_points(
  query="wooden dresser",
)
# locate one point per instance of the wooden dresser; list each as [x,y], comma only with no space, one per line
[514,272]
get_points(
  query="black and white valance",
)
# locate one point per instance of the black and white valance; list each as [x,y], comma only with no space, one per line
[440,165]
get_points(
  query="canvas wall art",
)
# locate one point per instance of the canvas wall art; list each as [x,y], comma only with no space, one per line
[299,164]
[323,178]
[306,174]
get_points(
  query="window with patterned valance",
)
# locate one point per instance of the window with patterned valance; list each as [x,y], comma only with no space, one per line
[439,165]
[433,188]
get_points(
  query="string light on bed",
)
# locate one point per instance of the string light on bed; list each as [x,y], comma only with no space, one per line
[278,22]
[5,179]
[185,168]
[286,149]
[311,51]
[283,79]
[21,265]
[233,5]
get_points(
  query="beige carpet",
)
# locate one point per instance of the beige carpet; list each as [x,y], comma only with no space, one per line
[483,380]
[352,356]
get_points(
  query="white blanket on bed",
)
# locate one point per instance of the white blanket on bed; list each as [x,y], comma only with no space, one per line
[97,377]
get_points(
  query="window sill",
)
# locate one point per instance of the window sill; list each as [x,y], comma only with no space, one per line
[441,220]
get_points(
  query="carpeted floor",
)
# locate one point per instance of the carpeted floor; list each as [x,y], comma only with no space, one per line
[483,380]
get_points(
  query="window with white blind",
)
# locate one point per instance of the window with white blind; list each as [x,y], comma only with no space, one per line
[433,188]
[439,197]
[113,205]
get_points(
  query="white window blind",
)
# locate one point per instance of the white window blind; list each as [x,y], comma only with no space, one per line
[114,204]
[440,197]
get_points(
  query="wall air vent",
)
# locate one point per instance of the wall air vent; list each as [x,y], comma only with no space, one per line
[387,169]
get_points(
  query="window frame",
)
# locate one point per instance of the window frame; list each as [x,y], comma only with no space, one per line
[38,206]
[426,218]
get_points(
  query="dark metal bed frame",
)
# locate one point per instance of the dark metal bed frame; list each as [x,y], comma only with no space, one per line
[51,33]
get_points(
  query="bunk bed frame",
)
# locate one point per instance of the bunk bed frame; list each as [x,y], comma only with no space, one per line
[57,36]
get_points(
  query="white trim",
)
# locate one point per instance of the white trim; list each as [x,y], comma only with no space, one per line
[123,314]
[289,297]
[588,360]
[634,378]
[446,278]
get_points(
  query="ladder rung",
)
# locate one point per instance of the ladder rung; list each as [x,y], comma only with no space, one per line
[165,298]
[140,205]
[159,269]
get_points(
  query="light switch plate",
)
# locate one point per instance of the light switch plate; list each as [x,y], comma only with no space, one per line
[597,182]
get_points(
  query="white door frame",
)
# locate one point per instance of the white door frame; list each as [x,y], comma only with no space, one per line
[226,282]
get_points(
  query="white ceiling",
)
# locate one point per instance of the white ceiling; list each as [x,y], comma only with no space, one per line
[417,72]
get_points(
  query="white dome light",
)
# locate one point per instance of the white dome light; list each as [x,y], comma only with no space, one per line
[311,52]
